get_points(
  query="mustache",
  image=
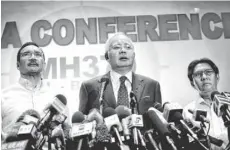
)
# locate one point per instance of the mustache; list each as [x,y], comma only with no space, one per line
[33,62]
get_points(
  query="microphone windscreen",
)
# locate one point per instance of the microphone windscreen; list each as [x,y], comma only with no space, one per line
[62,98]
[123,111]
[165,104]
[57,132]
[108,112]
[12,134]
[29,112]
[158,106]
[78,117]
[157,123]
[102,134]
[132,94]
[213,94]
[66,129]
[177,116]
[95,115]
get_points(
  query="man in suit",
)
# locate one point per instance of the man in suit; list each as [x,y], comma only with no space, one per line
[120,55]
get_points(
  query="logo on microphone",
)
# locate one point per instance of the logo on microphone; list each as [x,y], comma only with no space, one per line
[82,129]
[135,121]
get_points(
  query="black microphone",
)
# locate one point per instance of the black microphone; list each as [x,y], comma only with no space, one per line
[104,82]
[133,103]
[56,107]
[199,115]
[160,127]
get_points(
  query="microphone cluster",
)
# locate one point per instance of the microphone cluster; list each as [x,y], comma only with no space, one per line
[122,128]
[31,132]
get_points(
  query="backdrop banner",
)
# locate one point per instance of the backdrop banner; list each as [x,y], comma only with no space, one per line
[167,36]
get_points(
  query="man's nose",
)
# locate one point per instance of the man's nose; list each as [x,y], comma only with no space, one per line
[33,56]
[123,50]
[203,76]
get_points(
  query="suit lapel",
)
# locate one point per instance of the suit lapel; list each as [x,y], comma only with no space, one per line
[137,86]
[108,93]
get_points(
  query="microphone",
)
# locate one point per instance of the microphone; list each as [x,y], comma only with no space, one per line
[12,134]
[158,106]
[95,115]
[24,131]
[160,126]
[113,124]
[123,112]
[104,82]
[56,107]
[100,134]
[81,129]
[58,137]
[199,115]
[220,104]
[175,115]
[29,116]
[133,103]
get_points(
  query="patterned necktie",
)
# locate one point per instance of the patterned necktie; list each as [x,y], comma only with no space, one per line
[123,93]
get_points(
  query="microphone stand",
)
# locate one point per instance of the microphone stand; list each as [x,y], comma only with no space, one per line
[135,135]
[136,132]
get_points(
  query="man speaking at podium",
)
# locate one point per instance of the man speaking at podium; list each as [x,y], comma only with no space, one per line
[120,81]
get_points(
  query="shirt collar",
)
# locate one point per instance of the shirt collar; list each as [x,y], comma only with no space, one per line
[28,84]
[115,77]
[201,101]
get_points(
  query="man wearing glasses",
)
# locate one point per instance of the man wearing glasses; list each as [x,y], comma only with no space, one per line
[203,75]
[120,54]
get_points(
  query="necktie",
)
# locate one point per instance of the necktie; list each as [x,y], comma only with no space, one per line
[123,93]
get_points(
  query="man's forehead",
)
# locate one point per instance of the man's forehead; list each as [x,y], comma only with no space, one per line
[202,66]
[31,48]
[120,39]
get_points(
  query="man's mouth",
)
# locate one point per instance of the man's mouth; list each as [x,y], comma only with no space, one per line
[123,58]
[204,84]
[32,64]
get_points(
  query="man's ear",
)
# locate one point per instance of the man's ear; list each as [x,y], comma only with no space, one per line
[17,65]
[194,84]
[217,77]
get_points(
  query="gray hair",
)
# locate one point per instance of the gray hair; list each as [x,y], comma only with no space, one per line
[109,40]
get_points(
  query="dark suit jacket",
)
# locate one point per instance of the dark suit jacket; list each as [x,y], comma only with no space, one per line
[146,90]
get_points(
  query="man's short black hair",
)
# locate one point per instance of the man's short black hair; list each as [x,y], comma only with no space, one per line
[193,64]
[23,46]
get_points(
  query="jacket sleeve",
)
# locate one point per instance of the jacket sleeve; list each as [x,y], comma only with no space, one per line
[83,98]
[157,93]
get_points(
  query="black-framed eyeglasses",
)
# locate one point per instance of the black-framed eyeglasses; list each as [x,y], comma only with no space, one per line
[29,54]
[199,74]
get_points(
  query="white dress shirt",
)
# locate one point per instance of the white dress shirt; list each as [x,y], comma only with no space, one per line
[115,79]
[21,96]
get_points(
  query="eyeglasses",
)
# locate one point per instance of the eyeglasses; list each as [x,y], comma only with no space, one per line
[29,54]
[199,74]
[120,46]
